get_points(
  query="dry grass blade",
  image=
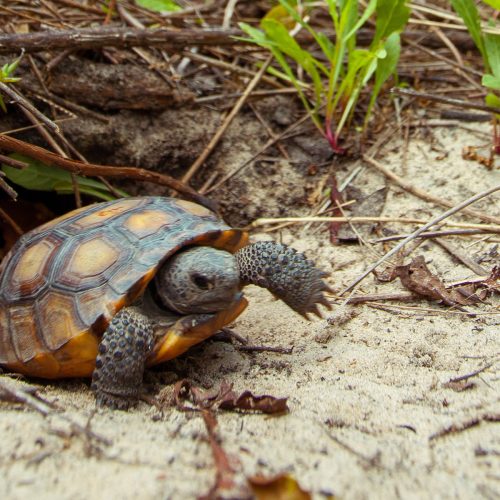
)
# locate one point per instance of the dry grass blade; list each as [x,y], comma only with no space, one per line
[229,118]
[422,229]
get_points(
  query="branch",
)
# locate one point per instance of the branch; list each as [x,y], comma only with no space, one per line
[91,38]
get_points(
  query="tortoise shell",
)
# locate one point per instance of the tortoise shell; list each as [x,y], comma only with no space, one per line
[62,282]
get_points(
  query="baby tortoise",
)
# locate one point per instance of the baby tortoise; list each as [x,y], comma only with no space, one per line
[112,288]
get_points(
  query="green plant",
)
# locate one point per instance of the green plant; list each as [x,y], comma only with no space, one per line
[159,5]
[343,70]
[40,177]
[6,73]
[488,45]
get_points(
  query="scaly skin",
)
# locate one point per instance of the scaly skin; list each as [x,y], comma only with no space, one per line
[284,272]
[119,369]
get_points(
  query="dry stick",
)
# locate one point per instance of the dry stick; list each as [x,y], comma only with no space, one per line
[266,146]
[45,134]
[436,55]
[472,374]
[12,223]
[412,236]
[229,118]
[8,392]
[93,38]
[459,255]
[79,167]
[405,220]
[210,61]
[23,103]
[360,299]
[256,94]
[419,193]
[432,234]
[446,100]
[10,191]
[13,163]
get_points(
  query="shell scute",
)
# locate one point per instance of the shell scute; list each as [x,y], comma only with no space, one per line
[58,319]
[28,274]
[23,332]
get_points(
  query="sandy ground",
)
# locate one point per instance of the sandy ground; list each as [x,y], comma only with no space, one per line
[366,393]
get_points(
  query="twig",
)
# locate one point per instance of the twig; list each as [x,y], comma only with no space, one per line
[371,461]
[92,38]
[426,310]
[463,426]
[431,223]
[446,100]
[432,234]
[360,299]
[28,397]
[472,374]
[460,256]
[403,220]
[229,118]
[25,104]
[419,193]
[265,348]
[12,162]
[268,144]
[79,167]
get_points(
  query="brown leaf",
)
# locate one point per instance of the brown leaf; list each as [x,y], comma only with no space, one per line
[247,401]
[417,278]
[281,487]
[493,280]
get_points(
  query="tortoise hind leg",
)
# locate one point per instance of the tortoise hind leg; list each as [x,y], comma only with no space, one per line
[119,369]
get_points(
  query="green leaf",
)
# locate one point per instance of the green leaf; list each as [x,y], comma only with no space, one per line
[492,46]
[159,5]
[467,10]
[392,16]
[386,66]
[370,8]
[491,81]
[493,3]
[40,177]
[493,100]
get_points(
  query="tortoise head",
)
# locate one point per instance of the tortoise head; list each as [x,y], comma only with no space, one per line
[204,279]
[199,280]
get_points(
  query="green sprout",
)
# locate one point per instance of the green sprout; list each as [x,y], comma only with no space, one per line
[6,73]
[337,78]
[488,44]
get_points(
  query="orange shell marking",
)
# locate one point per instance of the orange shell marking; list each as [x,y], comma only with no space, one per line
[29,269]
[58,320]
[91,258]
[97,218]
[147,222]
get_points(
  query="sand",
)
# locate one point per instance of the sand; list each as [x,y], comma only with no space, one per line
[366,389]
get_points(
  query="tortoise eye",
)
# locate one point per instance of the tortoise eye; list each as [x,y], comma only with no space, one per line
[202,282]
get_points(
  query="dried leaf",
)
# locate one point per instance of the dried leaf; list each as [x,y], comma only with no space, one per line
[225,399]
[417,278]
[247,401]
[460,386]
[493,280]
[281,487]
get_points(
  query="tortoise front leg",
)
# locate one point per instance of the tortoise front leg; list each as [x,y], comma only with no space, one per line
[119,367]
